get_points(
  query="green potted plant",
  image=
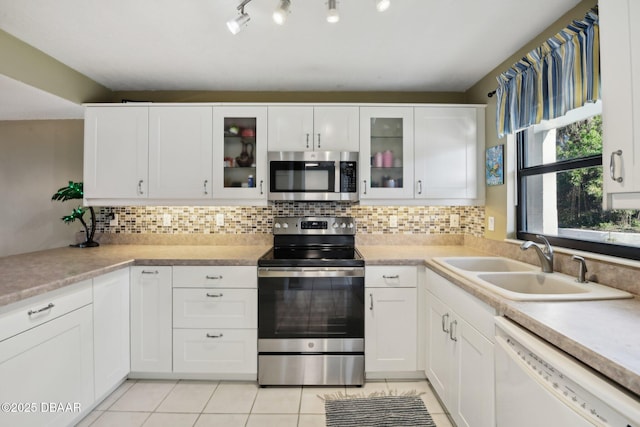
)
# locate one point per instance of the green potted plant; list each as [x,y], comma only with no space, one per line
[74,191]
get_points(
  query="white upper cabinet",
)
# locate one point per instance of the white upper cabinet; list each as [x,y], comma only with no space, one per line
[447,152]
[620,62]
[180,152]
[386,153]
[240,152]
[309,128]
[116,151]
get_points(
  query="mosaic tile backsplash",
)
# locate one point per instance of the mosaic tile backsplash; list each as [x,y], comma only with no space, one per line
[431,220]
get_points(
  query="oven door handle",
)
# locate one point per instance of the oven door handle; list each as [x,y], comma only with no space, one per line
[311,272]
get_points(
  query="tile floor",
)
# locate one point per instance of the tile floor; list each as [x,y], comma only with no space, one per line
[156,403]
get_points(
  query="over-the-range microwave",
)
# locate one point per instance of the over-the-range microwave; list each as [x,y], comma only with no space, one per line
[313,176]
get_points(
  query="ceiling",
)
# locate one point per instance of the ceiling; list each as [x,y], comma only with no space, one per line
[416,45]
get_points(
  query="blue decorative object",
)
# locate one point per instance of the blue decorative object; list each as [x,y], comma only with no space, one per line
[495,165]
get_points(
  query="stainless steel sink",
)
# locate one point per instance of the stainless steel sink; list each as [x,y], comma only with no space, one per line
[519,281]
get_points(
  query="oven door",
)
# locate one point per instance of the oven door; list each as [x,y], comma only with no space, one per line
[311,303]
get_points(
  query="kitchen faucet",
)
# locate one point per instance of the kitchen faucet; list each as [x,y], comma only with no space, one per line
[545,255]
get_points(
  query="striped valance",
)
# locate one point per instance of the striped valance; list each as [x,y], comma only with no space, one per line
[560,75]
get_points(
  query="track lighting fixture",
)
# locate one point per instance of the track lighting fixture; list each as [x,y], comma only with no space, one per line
[382,5]
[280,14]
[332,15]
[236,24]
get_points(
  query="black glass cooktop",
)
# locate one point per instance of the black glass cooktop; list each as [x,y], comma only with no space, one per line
[311,256]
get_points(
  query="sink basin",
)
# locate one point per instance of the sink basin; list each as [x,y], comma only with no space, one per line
[485,264]
[533,286]
[520,281]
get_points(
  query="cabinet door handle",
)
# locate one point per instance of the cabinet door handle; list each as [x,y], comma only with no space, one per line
[419,186]
[205,186]
[45,308]
[452,331]
[445,319]
[214,336]
[214,295]
[395,276]
[140,187]
[612,166]
[261,182]
[150,272]
[371,301]
[365,186]
[307,140]
[214,277]
[318,140]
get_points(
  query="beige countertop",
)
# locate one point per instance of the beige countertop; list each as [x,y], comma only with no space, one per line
[31,274]
[602,334]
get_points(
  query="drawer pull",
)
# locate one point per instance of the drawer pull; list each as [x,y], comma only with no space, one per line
[47,307]
[445,319]
[214,336]
[214,277]
[452,330]
[214,295]
[150,272]
[395,276]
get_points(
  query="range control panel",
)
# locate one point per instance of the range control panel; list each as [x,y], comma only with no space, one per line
[314,225]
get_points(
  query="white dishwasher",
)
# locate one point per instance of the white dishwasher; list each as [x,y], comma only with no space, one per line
[538,385]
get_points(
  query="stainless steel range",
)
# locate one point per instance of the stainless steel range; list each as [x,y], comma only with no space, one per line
[311,304]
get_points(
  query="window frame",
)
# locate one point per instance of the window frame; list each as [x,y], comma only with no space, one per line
[522,172]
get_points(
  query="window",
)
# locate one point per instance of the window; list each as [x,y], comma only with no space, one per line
[560,188]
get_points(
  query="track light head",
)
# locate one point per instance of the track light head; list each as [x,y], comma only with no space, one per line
[235,25]
[281,13]
[332,15]
[382,5]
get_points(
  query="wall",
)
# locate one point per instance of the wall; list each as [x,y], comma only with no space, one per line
[37,158]
[496,203]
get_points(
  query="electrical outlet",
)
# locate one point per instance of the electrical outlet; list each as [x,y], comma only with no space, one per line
[492,224]
[220,220]
[393,221]
[166,220]
[454,220]
[113,222]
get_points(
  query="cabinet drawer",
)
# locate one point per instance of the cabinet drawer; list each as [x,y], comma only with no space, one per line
[223,351]
[399,276]
[219,308]
[34,311]
[215,276]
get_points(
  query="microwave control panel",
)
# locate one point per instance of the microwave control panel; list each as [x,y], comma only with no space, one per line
[348,177]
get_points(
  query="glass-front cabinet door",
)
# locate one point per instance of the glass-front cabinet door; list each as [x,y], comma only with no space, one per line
[240,152]
[386,153]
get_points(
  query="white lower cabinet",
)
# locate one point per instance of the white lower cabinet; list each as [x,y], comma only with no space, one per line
[46,371]
[460,362]
[215,321]
[151,319]
[111,330]
[390,320]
